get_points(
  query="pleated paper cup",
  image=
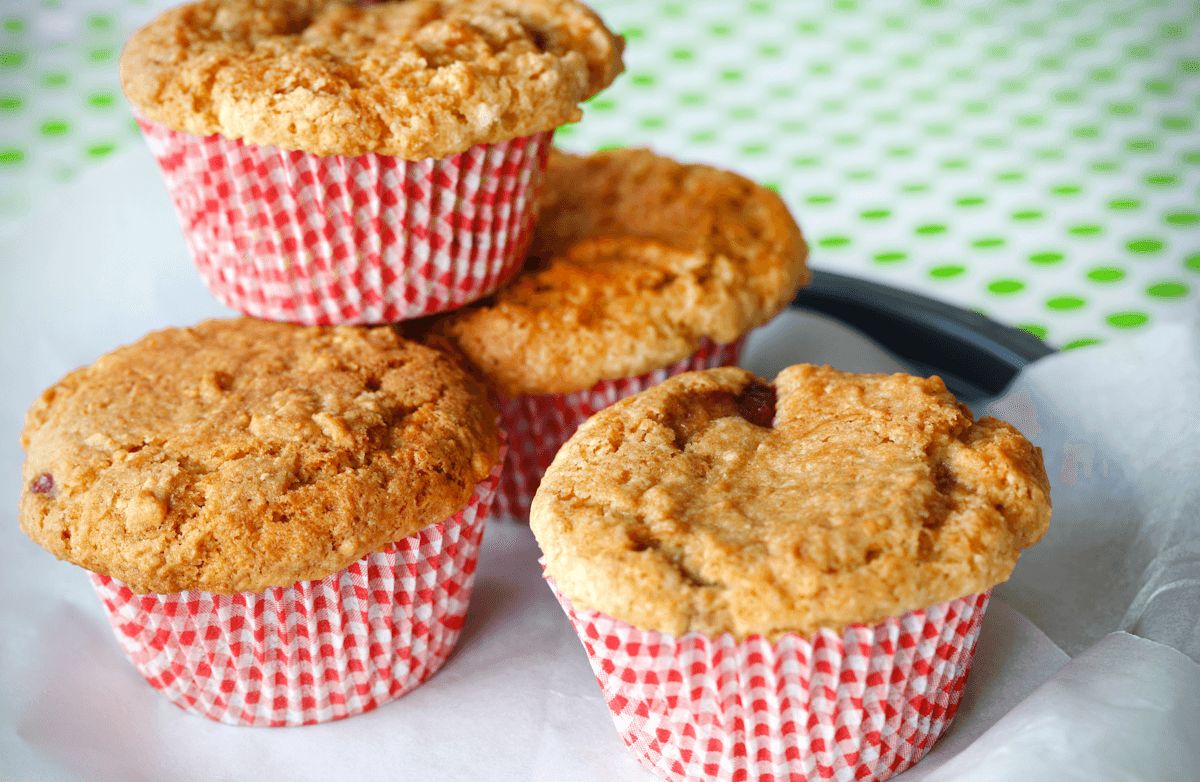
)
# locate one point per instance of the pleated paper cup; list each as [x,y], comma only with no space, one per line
[290,236]
[861,704]
[315,651]
[538,425]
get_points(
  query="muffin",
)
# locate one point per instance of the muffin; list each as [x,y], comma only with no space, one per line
[282,522]
[640,268]
[335,162]
[785,581]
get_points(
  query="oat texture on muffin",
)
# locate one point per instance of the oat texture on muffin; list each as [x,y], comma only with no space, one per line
[240,454]
[719,503]
[635,259]
[410,78]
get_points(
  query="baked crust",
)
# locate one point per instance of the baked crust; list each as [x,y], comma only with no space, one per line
[240,454]
[635,259]
[719,504]
[413,79]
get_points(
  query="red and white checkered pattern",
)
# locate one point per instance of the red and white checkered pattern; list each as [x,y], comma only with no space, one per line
[538,425]
[315,651]
[863,704]
[290,236]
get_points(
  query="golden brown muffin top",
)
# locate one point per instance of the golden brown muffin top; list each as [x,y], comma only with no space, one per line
[718,503]
[413,78]
[239,454]
[635,259]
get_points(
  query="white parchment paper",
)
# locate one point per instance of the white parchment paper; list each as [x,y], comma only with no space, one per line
[1085,667]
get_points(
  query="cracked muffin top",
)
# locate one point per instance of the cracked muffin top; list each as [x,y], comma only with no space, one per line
[410,78]
[240,454]
[718,503]
[634,260]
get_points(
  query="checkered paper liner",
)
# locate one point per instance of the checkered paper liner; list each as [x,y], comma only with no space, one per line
[315,651]
[538,425]
[290,236]
[863,704]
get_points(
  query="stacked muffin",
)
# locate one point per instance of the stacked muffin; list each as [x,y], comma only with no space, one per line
[282,513]
[337,162]
[640,268]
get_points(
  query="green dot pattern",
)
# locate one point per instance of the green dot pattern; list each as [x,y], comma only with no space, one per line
[1005,287]
[1106,274]
[1039,162]
[61,109]
[1065,303]
[1168,290]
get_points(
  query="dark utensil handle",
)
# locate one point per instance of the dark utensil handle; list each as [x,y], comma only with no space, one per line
[964,347]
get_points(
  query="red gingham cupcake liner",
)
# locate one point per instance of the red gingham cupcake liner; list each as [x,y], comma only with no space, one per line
[290,236]
[538,425]
[863,704]
[315,651]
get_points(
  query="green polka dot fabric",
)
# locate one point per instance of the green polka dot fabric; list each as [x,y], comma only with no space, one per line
[1037,162]
[61,108]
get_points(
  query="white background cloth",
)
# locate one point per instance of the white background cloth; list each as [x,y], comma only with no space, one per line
[1119,426]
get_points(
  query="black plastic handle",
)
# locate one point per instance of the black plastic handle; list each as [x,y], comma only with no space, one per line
[976,356]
